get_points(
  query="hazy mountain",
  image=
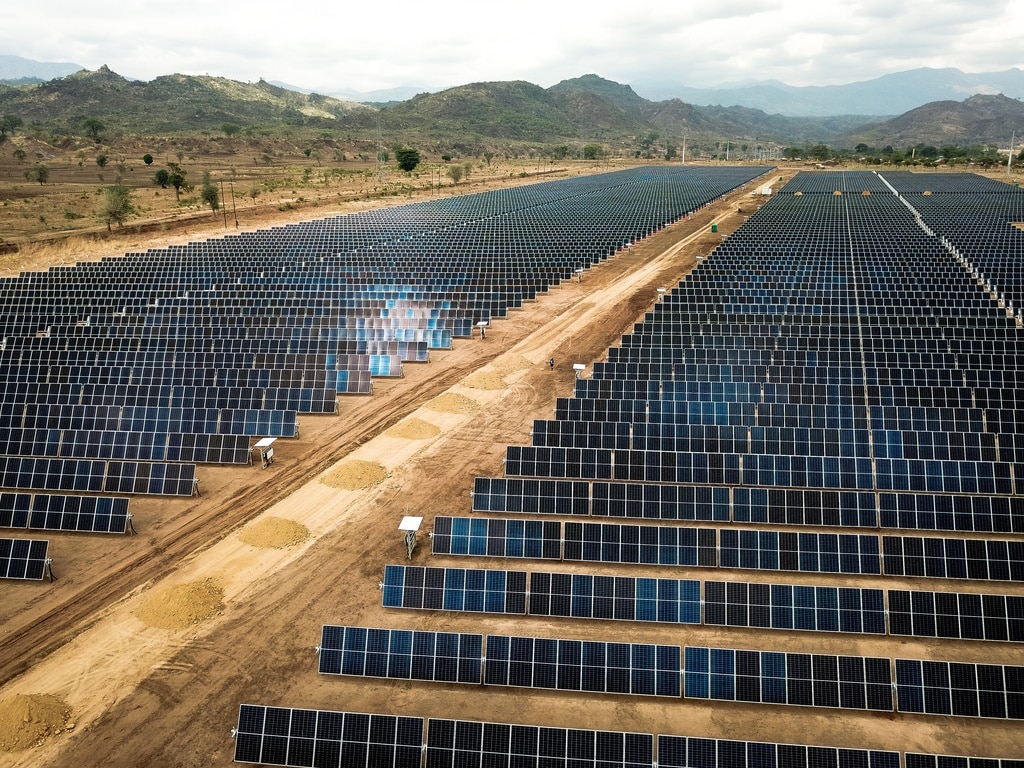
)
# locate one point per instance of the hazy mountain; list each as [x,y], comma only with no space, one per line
[887,95]
[386,96]
[14,69]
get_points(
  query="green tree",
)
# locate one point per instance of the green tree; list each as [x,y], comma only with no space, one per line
[38,172]
[791,153]
[861,148]
[820,152]
[670,151]
[455,173]
[254,192]
[230,129]
[592,151]
[19,155]
[9,124]
[407,158]
[94,128]
[210,193]
[101,160]
[176,178]
[147,159]
[162,177]
[117,205]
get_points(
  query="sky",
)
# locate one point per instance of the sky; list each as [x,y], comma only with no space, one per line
[368,46]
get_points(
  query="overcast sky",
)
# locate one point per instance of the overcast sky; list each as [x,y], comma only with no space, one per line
[368,45]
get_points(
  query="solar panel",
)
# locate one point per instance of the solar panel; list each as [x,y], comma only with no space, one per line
[798,679]
[316,737]
[694,752]
[626,598]
[649,544]
[496,537]
[454,589]
[92,514]
[954,558]
[399,653]
[960,689]
[24,558]
[956,615]
[470,744]
[582,665]
[918,760]
[792,606]
[792,551]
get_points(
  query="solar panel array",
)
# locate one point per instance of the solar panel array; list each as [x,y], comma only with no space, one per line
[23,558]
[121,375]
[832,369]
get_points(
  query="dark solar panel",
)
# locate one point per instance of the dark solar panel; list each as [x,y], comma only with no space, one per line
[311,737]
[454,589]
[23,558]
[403,654]
[471,744]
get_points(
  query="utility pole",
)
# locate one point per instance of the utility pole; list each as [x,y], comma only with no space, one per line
[381,171]
[684,150]
[1009,157]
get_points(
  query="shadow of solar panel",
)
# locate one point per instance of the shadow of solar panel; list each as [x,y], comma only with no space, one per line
[23,558]
[624,598]
[403,654]
[470,744]
[694,752]
[309,737]
[454,589]
[577,665]
[797,679]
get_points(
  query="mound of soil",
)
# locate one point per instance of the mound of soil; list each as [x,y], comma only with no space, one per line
[355,475]
[26,720]
[182,605]
[414,429]
[273,533]
[452,402]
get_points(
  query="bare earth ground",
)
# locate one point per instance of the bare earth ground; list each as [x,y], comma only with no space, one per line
[142,650]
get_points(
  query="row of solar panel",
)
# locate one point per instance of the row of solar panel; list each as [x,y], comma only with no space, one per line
[98,476]
[964,615]
[751,469]
[302,400]
[326,739]
[775,506]
[953,558]
[644,669]
[113,444]
[49,512]
[211,421]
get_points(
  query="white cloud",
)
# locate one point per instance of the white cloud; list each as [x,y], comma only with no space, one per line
[366,46]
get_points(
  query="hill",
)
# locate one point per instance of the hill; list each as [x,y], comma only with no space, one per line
[168,104]
[493,116]
[977,120]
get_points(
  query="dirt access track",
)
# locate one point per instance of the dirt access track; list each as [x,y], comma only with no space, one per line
[147,645]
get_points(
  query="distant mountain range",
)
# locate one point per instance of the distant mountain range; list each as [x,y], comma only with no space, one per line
[495,116]
[887,95]
[15,70]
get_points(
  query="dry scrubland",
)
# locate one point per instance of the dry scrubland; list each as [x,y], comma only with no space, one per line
[142,651]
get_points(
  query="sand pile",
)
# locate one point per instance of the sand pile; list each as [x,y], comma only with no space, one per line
[413,429]
[26,720]
[451,402]
[355,475]
[273,533]
[182,605]
[485,380]
[512,364]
